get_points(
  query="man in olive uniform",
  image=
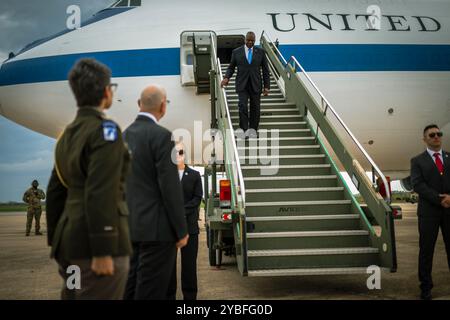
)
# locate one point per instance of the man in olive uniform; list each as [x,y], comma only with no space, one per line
[33,197]
[87,217]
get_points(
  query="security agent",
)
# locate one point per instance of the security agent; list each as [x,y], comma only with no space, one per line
[430,177]
[191,183]
[87,217]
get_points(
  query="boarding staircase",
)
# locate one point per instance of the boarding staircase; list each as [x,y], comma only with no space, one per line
[295,213]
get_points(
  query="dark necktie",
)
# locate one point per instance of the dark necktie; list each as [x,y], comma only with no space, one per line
[439,163]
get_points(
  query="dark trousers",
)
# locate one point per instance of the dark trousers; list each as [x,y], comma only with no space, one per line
[150,270]
[92,286]
[255,108]
[188,271]
[428,232]
[36,213]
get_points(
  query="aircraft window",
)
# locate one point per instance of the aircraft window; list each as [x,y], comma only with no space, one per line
[123,3]
[190,59]
[127,3]
[135,3]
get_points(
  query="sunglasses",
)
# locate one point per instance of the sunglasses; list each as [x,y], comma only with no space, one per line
[180,152]
[434,134]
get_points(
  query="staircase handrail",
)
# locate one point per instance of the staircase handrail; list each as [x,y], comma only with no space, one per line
[301,95]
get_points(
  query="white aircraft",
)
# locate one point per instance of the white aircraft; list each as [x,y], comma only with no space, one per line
[383,64]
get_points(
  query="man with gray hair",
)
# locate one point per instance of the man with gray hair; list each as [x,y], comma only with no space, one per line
[155,200]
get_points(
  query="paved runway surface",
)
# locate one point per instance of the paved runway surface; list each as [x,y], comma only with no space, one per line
[26,272]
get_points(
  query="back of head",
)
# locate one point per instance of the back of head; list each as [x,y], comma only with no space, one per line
[88,79]
[152,98]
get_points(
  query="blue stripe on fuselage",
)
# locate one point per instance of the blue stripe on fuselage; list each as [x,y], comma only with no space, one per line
[166,61]
[370,57]
[126,63]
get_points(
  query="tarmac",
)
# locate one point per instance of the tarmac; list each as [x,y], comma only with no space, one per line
[27,272]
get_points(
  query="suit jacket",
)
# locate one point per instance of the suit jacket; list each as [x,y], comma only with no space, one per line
[86,211]
[154,194]
[249,72]
[192,194]
[429,183]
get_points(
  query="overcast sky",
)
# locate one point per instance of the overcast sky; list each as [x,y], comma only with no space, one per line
[26,155]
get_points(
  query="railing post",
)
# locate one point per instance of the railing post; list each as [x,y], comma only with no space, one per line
[214,167]
[206,184]
[212,85]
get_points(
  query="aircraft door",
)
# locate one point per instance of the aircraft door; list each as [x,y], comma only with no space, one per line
[195,59]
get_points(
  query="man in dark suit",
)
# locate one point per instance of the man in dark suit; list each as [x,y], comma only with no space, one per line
[193,193]
[430,177]
[155,199]
[249,61]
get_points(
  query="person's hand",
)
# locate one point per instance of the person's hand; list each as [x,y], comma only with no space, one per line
[103,266]
[265,92]
[224,82]
[445,200]
[182,242]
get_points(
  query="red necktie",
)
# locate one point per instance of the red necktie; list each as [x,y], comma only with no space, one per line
[439,163]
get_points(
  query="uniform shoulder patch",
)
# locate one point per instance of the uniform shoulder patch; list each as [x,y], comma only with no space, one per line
[110,131]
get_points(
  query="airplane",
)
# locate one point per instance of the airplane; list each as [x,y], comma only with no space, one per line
[384,65]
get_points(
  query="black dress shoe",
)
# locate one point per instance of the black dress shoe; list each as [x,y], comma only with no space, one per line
[38,233]
[426,295]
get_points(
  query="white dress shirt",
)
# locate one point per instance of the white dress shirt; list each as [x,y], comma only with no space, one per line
[180,173]
[148,115]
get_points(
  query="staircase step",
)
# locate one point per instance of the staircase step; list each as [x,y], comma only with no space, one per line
[286,170]
[269,118]
[312,258]
[261,150]
[291,181]
[290,132]
[264,100]
[276,125]
[285,133]
[267,103]
[307,239]
[303,223]
[268,141]
[295,194]
[274,208]
[275,94]
[272,111]
[275,91]
[306,272]
[232,81]
[310,252]
[297,203]
[283,160]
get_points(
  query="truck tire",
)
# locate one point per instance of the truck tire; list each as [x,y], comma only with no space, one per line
[218,257]
[211,251]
